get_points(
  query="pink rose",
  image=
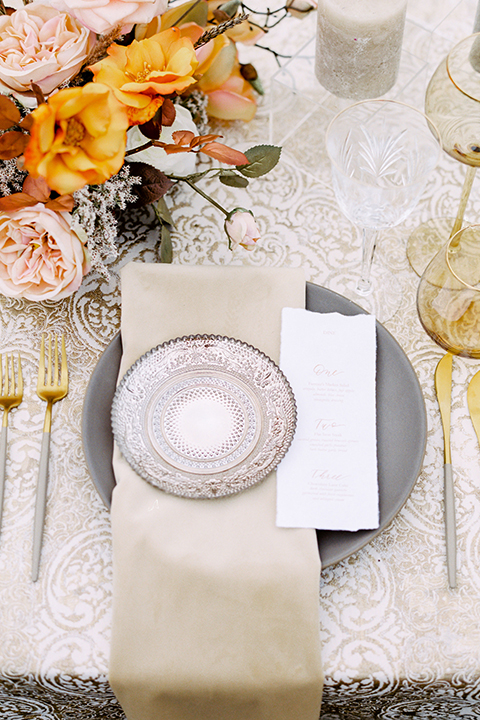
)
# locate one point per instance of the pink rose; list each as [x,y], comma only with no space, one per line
[242,229]
[41,45]
[40,256]
[103,15]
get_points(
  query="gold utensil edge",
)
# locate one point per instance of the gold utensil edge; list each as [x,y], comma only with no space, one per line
[11,395]
[443,388]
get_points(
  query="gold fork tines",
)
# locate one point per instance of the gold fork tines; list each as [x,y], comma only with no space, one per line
[11,394]
[52,385]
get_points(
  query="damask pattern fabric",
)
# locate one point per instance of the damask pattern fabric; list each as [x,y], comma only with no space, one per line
[396,641]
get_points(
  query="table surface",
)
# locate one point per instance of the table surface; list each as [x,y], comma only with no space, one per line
[396,640]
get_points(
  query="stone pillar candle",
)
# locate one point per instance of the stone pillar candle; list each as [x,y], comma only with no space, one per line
[476,22]
[358,46]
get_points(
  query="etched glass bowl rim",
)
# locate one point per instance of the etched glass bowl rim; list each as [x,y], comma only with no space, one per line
[380,101]
[456,47]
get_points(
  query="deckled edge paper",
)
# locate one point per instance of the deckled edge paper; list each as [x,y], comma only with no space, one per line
[328,479]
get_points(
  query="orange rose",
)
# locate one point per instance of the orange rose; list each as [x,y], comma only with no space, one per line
[146,71]
[207,54]
[77,138]
[230,96]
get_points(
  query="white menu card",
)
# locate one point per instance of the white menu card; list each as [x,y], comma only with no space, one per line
[328,478]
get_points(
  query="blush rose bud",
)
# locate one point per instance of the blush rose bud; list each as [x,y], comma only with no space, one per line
[241,229]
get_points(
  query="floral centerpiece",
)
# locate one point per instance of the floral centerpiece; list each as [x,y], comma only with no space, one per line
[104,106]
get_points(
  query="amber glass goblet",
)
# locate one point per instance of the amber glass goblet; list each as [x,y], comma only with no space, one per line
[448,297]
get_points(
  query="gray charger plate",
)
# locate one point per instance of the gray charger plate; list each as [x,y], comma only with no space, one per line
[401,427]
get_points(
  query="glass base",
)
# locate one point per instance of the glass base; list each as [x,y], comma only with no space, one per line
[385,296]
[426,240]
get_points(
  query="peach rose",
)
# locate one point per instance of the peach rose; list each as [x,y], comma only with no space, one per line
[241,228]
[230,96]
[40,256]
[41,45]
[78,138]
[234,100]
[146,71]
[103,15]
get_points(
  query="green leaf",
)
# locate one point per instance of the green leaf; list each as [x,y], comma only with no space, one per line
[232,179]
[194,177]
[262,159]
[166,251]
[163,213]
[257,86]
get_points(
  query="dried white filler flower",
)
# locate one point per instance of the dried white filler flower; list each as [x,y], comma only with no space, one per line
[93,212]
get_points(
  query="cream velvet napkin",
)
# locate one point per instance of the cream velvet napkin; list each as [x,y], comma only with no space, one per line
[215,609]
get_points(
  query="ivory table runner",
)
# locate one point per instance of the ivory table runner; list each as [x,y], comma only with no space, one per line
[215,609]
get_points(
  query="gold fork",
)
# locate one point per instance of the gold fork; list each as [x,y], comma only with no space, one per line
[11,395]
[52,385]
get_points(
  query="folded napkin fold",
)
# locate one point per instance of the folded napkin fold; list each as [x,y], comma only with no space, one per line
[215,609]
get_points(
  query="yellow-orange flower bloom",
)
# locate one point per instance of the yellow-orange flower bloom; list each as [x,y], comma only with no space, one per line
[77,138]
[207,54]
[146,71]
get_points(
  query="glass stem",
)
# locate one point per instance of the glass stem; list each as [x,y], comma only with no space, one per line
[467,186]
[369,241]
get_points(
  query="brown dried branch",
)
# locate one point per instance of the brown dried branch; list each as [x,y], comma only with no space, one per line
[219,29]
[103,43]
[99,52]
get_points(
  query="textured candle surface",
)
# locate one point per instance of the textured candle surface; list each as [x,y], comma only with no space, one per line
[358,46]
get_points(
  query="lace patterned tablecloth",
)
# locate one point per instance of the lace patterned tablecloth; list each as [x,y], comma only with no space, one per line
[397,642]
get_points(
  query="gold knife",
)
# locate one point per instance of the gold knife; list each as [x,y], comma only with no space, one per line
[443,388]
[473,399]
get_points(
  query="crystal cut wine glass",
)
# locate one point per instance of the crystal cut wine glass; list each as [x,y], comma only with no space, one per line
[381,153]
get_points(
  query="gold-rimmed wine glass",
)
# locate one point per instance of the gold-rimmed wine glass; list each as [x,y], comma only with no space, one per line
[448,296]
[452,102]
